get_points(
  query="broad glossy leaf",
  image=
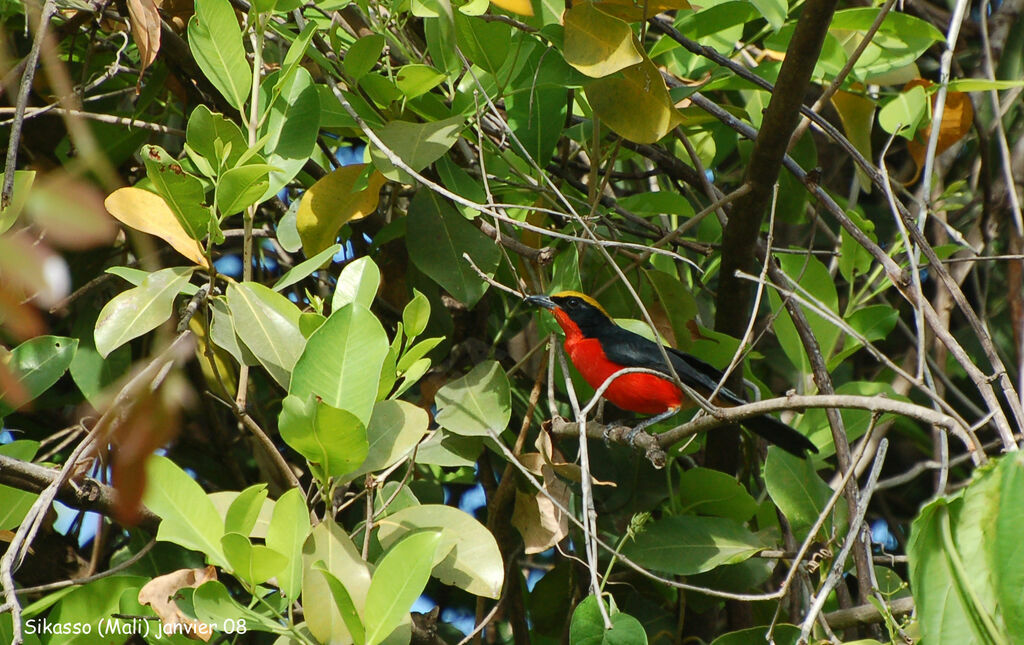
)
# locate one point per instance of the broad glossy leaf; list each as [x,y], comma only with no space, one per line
[395,428]
[797,490]
[214,605]
[137,311]
[15,503]
[188,516]
[363,55]
[290,128]
[289,527]
[416,80]
[331,546]
[416,314]
[417,144]
[474,564]
[183,192]
[814,279]
[253,563]
[358,283]
[148,212]
[476,404]
[333,201]
[333,439]
[903,114]
[397,582]
[36,365]
[857,114]
[206,128]
[245,509]
[304,269]
[710,492]
[486,44]
[268,324]
[597,43]
[342,361]
[215,40]
[687,544]
[587,626]
[437,236]
[635,103]
[241,186]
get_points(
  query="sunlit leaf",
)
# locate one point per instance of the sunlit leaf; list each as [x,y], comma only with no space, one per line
[333,201]
[148,212]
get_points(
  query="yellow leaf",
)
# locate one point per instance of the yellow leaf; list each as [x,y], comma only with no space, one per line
[635,104]
[857,113]
[148,212]
[596,43]
[330,203]
[522,7]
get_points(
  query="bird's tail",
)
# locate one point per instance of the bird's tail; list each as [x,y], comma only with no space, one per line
[780,434]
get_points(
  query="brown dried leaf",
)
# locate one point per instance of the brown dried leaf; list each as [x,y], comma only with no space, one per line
[159,594]
[145,21]
[957,117]
[538,520]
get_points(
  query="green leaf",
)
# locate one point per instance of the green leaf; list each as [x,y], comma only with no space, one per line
[296,52]
[268,324]
[36,365]
[333,439]
[363,55]
[214,605]
[358,283]
[188,517]
[537,118]
[587,626]
[304,269]
[92,373]
[854,259]
[597,43]
[687,544]
[241,515]
[474,564]
[486,44]
[395,428]
[903,114]
[477,403]
[416,80]
[797,490]
[253,563]
[22,184]
[330,545]
[342,361]
[814,279]
[979,85]
[784,635]
[291,126]
[184,193]
[416,314]
[207,132]
[397,582]
[774,11]
[710,492]
[344,604]
[15,503]
[135,312]
[289,527]
[215,40]
[415,354]
[437,236]
[1005,550]
[417,144]
[240,187]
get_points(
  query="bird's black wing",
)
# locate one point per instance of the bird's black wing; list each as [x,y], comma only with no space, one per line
[629,349]
[626,348]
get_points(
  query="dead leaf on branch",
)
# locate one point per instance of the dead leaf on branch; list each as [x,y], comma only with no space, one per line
[159,594]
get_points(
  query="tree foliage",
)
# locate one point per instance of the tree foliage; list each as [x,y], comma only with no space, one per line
[262,267]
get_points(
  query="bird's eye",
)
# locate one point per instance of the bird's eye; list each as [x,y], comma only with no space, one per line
[573,302]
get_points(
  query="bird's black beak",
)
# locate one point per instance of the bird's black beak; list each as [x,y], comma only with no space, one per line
[541,301]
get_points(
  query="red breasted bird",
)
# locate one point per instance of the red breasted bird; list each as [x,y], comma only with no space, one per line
[599,348]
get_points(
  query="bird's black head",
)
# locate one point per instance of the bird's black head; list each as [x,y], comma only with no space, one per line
[574,309]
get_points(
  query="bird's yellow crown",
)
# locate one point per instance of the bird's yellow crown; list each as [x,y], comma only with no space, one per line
[584,297]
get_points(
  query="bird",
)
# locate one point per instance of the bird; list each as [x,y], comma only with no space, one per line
[599,348]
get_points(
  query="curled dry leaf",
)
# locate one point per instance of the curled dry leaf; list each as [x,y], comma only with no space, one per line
[145,21]
[957,117]
[148,212]
[536,517]
[159,594]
